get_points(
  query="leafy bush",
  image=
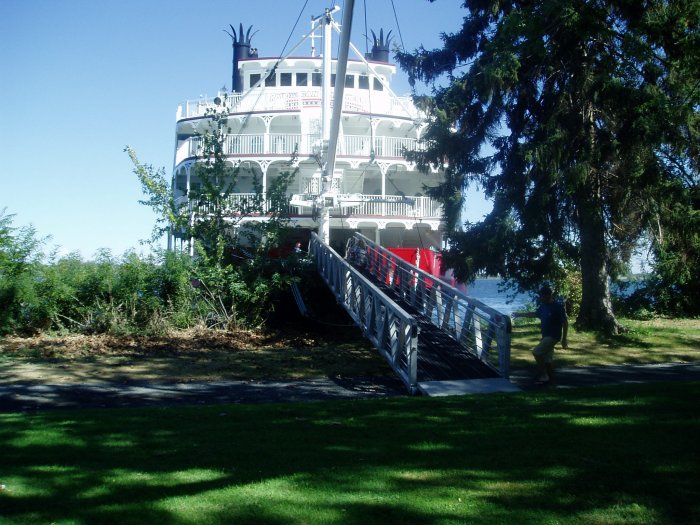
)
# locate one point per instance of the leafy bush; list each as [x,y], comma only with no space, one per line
[40,293]
[631,299]
[20,255]
[570,287]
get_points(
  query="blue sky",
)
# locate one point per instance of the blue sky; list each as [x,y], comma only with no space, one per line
[81,79]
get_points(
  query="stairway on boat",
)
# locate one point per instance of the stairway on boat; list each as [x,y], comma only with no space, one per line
[438,340]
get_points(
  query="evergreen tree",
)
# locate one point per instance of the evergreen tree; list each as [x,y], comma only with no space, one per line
[576,117]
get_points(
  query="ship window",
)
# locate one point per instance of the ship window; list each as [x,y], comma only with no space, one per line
[316,79]
[378,85]
[363,82]
[271,80]
[302,79]
[349,81]
[254,79]
[285,79]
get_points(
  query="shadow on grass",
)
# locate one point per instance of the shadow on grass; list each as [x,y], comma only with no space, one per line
[626,454]
[627,339]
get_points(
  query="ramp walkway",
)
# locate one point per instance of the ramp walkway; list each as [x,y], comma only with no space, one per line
[438,340]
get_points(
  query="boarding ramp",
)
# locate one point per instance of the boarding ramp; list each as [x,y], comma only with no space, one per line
[391,329]
[437,339]
[478,328]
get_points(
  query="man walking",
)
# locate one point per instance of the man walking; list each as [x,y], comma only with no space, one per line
[554,326]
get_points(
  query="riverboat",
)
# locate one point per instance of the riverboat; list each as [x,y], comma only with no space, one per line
[280,110]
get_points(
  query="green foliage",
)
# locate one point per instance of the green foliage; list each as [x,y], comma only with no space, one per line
[173,280]
[578,118]
[639,304]
[156,187]
[232,282]
[569,285]
[675,286]
[20,256]
[236,281]
[45,293]
[265,283]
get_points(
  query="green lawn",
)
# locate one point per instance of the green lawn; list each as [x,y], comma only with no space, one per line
[613,455]
[654,341]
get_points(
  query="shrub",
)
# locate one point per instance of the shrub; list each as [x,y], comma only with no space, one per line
[134,293]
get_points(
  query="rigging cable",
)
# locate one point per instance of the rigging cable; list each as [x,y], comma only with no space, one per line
[261,83]
[403,48]
[398,27]
[293,29]
[372,152]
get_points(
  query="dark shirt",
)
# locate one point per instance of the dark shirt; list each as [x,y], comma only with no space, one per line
[552,317]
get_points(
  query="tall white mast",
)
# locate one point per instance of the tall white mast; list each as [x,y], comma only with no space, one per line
[331,123]
[326,75]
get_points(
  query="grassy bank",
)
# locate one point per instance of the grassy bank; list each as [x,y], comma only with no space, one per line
[627,455]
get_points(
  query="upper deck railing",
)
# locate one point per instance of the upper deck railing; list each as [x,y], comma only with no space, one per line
[259,100]
[358,205]
[304,145]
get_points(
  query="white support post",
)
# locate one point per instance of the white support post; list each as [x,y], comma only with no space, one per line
[324,229]
[331,122]
[326,84]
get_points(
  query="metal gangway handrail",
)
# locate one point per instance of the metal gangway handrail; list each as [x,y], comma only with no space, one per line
[392,330]
[474,325]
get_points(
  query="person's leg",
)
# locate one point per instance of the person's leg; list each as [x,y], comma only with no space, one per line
[543,353]
[541,370]
[549,368]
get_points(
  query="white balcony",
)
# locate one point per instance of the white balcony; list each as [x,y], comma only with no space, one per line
[370,206]
[286,143]
[296,99]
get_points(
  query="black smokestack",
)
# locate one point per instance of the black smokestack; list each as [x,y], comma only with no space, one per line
[380,46]
[241,51]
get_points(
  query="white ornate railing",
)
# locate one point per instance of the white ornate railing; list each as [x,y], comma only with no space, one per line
[234,204]
[357,204]
[275,99]
[286,143]
[239,144]
[396,206]
[381,146]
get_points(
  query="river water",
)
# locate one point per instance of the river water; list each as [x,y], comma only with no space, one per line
[487,291]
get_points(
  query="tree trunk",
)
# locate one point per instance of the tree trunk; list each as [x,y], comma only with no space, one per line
[596,308]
